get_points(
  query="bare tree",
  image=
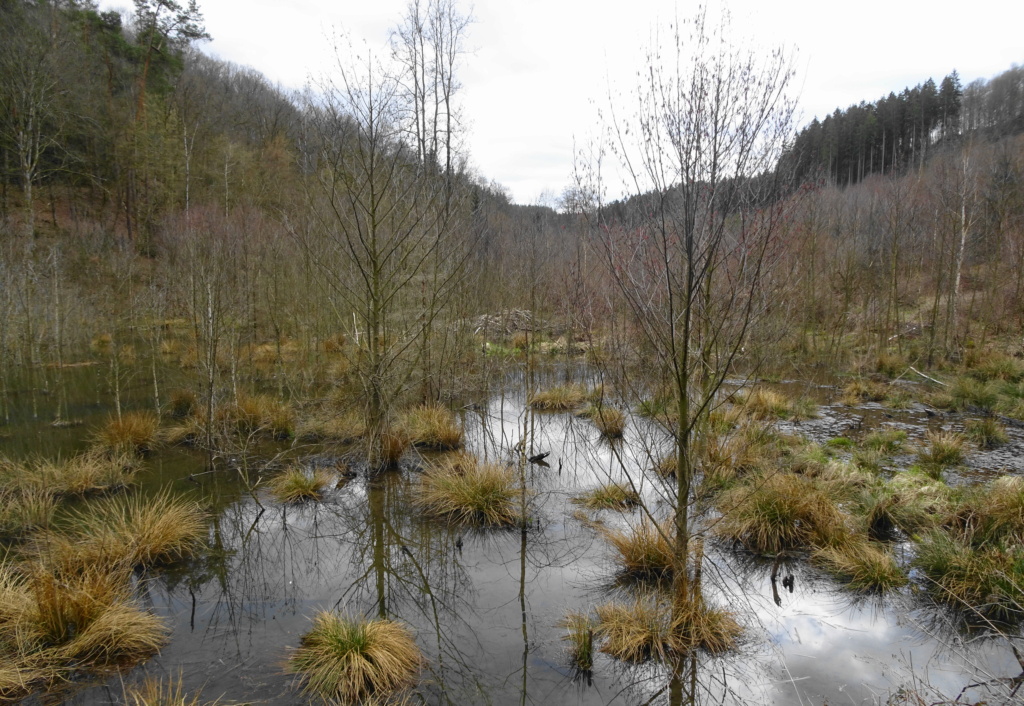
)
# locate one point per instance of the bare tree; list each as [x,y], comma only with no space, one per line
[380,232]
[32,106]
[691,249]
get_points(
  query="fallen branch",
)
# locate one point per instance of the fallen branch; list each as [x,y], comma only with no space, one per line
[926,377]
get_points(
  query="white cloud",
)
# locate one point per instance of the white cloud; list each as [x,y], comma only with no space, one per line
[538,67]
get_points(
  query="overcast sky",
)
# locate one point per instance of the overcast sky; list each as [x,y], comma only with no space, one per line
[537,70]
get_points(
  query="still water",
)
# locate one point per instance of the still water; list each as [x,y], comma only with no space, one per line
[485,605]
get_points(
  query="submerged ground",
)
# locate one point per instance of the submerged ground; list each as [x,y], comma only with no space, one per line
[485,605]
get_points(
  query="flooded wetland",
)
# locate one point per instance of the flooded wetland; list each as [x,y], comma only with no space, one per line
[488,603]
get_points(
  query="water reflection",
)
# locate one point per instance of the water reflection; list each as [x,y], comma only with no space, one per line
[485,604]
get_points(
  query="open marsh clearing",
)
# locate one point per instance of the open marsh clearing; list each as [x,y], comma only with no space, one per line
[485,603]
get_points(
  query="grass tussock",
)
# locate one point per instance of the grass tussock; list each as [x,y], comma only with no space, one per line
[467,492]
[990,515]
[986,432]
[864,390]
[969,394]
[945,449]
[349,660]
[888,441]
[863,565]
[919,502]
[132,432]
[93,471]
[644,551]
[130,530]
[52,628]
[773,513]
[763,404]
[562,398]
[610,421]
[257,415]
[994,365]
[388,447]
[297,484]
[153,691]
[610,496]
[432,427]
[648,628]
[344,428]
[988,582]
[580,629]
[183,403]
[23,512]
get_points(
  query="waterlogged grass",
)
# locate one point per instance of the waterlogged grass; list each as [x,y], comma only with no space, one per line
[765,404]
[132,432]
[432,427]
[349,660]
[944,449]
[562,398]
[772,513]
[256,415]
[651,628]
[863,390]
[986,432]
[130,530]
[171,691]
[326,425]
[969,394]
[610,421]
[644,551]
[464,491]
[387,449]
[888,441]
[988,582]
[54,627]
[991,515]
[613,496]
[580,636]
[862,565]
[297,484]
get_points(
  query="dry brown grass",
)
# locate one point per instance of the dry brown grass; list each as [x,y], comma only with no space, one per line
[53,627]
[389,447]
[432,427]
[864,390]
[297,484]
[349,660]
[128,530]
[613,496]
[562,398]
[466,492]
[24,511]
[644,551]
[610,421]
[89,472]
[257,415]
[163,692]
[132,432]
[649,628]
[763,403]
[343,428]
